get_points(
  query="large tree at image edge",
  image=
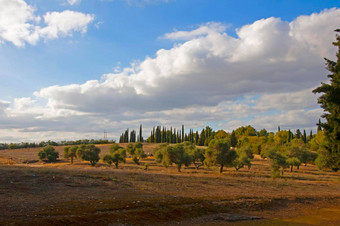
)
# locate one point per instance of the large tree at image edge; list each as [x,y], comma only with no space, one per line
[330,102]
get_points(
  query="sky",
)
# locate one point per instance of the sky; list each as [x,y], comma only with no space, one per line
[70,69]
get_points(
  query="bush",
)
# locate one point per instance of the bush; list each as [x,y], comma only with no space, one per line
[70,152]
[89,153]
[117,155]
[48,153]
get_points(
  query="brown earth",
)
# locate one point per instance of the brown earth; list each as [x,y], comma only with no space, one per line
[37,193]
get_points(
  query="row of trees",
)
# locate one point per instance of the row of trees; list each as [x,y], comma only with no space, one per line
[132,138]
[52,143]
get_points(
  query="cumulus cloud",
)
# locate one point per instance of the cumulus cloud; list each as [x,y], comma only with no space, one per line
[263,77]
[20,25]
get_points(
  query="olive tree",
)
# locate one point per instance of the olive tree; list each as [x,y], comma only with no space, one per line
[70,152]
[167,155]
[136,151]
[89,153]
[219,153]
[116,156]
[48,153]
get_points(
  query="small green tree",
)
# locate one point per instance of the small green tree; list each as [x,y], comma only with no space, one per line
[278,161]
[48,153]
[163,155]
[167,155]
[116,156]
[293,161]
[197,156]
[70,152]
[244,154]
[136,151]
[89,153]
[219,153]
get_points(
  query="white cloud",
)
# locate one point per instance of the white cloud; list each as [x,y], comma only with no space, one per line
[73,2]
[64,23]
[263,77]
[203,30]
[20,25]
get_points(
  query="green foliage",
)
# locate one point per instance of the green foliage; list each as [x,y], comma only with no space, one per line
[70,152]
[178,154]
[136,151]
[233,139]
[293,161]
[48,153]
[220,134]
[281,137]
[244,154]
[197,156]
[246,131]
[277,162]
[116,156]
[330,102]
[89,153]
[219,153]
[162,155]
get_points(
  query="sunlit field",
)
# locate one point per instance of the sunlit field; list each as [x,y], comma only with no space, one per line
[35,192]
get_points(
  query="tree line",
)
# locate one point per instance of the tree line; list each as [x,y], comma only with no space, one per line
[52,143]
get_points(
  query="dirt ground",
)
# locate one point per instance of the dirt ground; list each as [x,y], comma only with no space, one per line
[37,193]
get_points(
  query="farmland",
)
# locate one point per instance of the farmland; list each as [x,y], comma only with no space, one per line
[34,192]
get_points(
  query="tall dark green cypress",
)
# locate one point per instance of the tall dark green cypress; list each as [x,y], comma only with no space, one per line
[330,102]
[182,133]
[304,136]
[140,134]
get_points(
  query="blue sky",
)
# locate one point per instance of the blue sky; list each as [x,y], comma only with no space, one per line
[117,43]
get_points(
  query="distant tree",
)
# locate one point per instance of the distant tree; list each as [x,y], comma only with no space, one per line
[219,153]
[89,152]
[220,134]
[163,155]
[294,161]
[70,152]
[319,126]
[281,137]
[244,154]
[330,102]
[48,153]
[233,139]
[263,133]
[277,162]
[298,134]
[136,151]
[115,157]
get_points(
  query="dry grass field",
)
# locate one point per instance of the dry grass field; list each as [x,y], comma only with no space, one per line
[37,193]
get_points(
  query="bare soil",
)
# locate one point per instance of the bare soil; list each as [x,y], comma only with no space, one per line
[37,193]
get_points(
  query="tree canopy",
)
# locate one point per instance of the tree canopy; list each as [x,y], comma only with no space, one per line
[330,102]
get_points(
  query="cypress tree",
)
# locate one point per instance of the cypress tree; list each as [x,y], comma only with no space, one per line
[182,133]
[330,102]
[304,136]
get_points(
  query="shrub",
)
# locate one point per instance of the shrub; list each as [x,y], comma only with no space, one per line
[48,153]
[89,153]
[116,156]
[70,152]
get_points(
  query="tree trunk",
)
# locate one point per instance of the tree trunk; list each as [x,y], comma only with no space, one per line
[116,164]
[221,168]
[291,168]
[71,159]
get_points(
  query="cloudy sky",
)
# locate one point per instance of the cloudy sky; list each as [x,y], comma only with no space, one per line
[70,69]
